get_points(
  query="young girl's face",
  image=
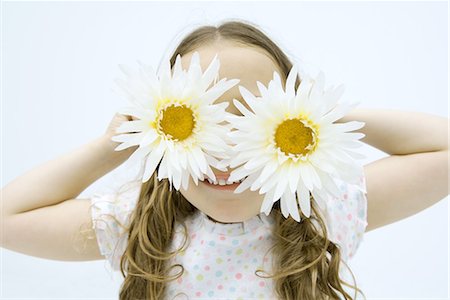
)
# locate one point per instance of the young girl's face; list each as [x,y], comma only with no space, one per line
[249,65]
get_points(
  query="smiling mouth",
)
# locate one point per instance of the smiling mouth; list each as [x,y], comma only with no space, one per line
[221,181]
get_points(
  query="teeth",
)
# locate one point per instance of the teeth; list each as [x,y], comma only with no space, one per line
[232,182]
[223,182]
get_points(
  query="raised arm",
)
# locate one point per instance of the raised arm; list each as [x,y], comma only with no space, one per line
[40,215]
[415,174]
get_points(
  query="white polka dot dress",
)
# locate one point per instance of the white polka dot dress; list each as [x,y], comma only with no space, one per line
[221,260]
[346,217]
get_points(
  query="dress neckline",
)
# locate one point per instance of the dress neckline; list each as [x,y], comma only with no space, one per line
[233,229]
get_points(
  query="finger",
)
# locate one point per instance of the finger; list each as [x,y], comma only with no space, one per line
[126,117]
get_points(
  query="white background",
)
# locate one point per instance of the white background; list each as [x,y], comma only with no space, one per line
[60,60]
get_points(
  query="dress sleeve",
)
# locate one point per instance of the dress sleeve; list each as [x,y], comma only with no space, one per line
[347,217]
[110,218]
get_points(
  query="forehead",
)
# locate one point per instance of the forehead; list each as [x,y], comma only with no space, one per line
[248,64]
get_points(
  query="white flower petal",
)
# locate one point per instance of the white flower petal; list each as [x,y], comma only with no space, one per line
[348,126]
[318,86]
[249,98]
[195,70]
[321,161]
[151,79]
[210,73]
[199,157]
[293,177]
[139,154]
[183,159]
[351,144]
[306,176]
[313,174]
[246,183]
[175,159]
[268,202]
[185,180]
[152,161]
[128,137]
[210,147]
[177,179]
[217,90]
[275,84]
[257,162]
[320,197]
[330,185]
[291,203]
[212,161]
[303,197]
[284,206]
[282,184]
[143,114]
[330,98]
[338,112]
[149,137]
[193,166]
[246,146]
[152,92]
[356,155]
[267,171]
[262,89]
[242,157]
[210,173]
[194,178]
[270,184]
[129,140]
[302,96]
[239,173]
[290,82]
[242,108]
[177,68]
[163,170]
[132,126]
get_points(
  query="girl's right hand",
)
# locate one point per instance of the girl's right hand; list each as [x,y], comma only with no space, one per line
[116,121]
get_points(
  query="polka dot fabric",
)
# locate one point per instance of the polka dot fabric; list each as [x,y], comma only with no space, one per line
[221,259]
[346,217]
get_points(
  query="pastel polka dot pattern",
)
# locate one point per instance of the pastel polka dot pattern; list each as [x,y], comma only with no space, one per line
[221,259]
[346,217]
[230,255]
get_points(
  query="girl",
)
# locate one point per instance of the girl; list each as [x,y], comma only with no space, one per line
[206,241]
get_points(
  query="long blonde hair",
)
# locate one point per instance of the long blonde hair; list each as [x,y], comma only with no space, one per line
[307,262]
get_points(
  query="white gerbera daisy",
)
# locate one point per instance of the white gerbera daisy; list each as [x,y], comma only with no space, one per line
[177,125]
[288,145]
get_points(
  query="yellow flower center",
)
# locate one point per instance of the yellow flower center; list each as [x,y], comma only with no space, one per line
[293,137]
[177,122]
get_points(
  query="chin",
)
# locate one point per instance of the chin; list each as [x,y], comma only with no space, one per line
[221,206]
